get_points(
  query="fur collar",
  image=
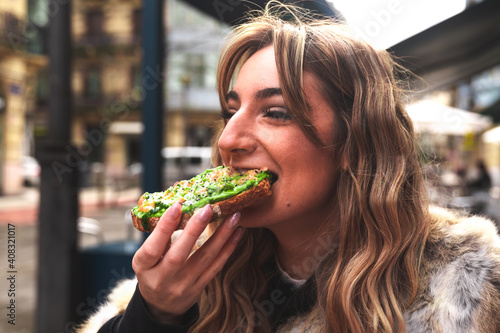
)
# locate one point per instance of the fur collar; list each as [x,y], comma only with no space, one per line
[460,283]
[461,280]
[117,302]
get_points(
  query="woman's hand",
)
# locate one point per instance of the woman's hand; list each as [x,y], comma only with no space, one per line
[170,280]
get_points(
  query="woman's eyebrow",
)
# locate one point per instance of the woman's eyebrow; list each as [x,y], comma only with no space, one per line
[268,92]
[261,94]
[232,95]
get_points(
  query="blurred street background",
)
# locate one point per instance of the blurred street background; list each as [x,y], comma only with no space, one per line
[93,165]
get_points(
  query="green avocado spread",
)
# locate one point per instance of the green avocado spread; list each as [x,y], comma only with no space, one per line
[211,186]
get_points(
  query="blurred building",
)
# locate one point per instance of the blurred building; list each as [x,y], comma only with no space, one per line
[461,70]
[107,81]
[109,87]
[478,94]
[21,63]
[106,69]
[193,46]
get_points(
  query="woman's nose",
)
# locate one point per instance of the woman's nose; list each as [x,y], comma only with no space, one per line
[238,136]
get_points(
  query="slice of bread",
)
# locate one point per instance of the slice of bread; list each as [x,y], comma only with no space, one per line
[221,209]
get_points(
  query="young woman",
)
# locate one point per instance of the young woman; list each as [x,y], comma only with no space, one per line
[346,242]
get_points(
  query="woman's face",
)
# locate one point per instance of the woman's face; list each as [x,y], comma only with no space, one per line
[261,132]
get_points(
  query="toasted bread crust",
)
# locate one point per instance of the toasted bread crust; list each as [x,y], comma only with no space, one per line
[220,209]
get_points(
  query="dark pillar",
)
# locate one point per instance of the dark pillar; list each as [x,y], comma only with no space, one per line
[58,189]
[152,108]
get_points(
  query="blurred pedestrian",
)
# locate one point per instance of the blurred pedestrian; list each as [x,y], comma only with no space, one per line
[479,189]
[347,241]
[482,181]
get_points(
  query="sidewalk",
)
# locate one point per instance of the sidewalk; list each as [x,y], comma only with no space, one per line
[22,209]
[109,208]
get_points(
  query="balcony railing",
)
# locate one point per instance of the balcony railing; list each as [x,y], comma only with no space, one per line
[106,40]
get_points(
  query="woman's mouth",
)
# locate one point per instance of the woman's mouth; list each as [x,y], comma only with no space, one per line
[274,177]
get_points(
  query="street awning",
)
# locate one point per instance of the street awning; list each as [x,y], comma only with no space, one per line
[231,12]
[455,49]
[433,117]
[492,135]
[441,56]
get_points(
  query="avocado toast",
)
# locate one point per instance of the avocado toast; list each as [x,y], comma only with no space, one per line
[225,189]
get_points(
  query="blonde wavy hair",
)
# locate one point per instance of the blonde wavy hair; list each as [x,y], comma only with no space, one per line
[372,276]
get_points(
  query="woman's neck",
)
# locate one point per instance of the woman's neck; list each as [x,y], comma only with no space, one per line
[300,251]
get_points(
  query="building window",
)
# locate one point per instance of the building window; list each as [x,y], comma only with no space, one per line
[93,83]
[95,23]
[137,22]
[12,25]
[195,67]
[199,135]
[95,139]
[135,76]
[42,87]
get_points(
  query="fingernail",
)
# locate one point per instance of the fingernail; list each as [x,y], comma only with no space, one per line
[175,210]
[205,214]
[233,220]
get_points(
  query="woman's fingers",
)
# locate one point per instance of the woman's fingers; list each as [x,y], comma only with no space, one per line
[171,280]
[220,260]
[205,255]
[156,244]
[204,264]
[183,246]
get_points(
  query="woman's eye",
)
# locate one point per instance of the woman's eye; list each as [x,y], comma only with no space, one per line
[226,115]
[278,114]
